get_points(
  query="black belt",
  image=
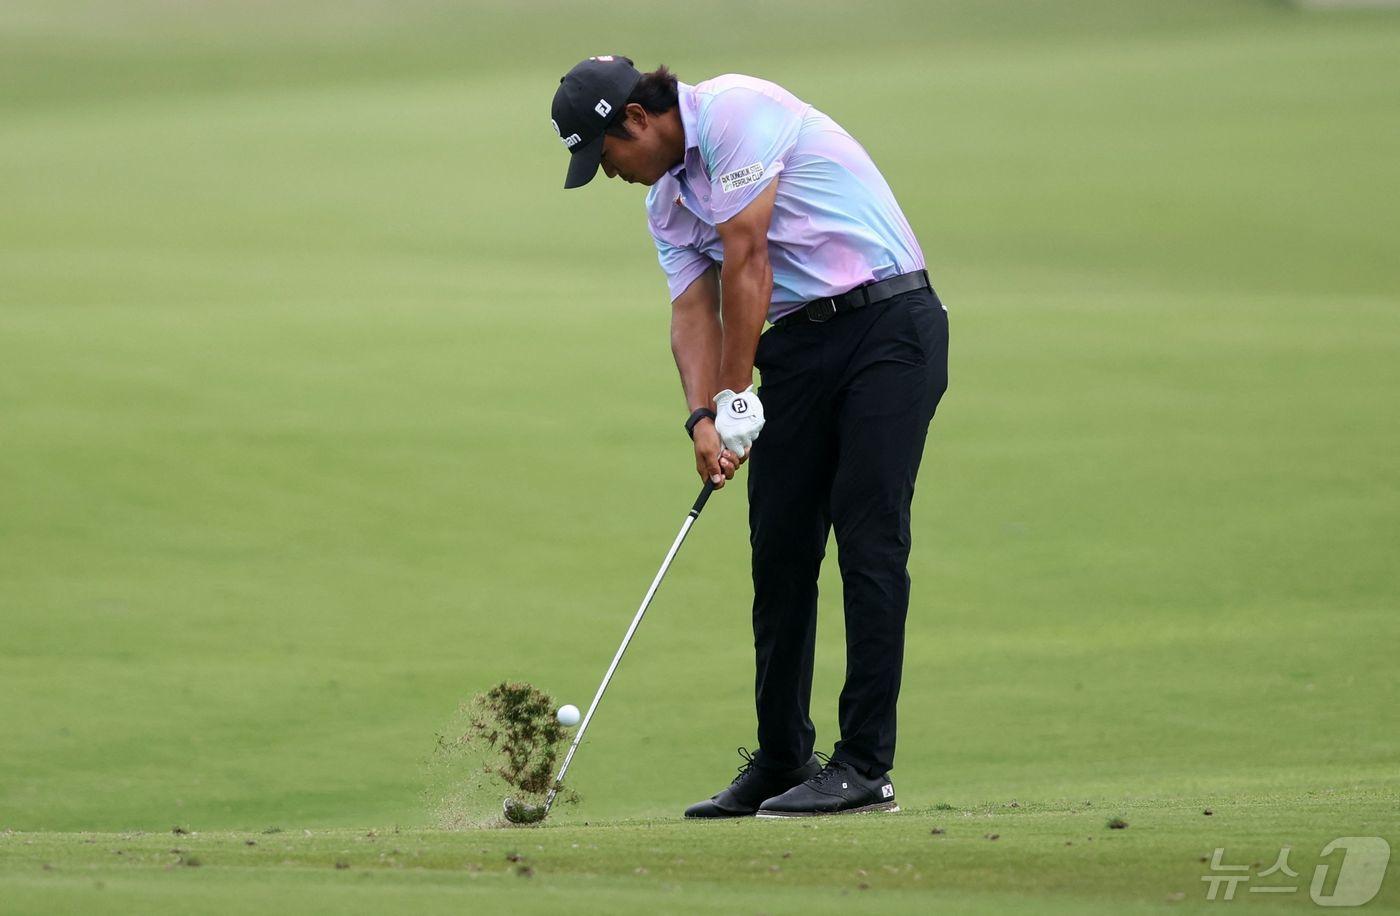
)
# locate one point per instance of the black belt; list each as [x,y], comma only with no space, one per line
[820,310]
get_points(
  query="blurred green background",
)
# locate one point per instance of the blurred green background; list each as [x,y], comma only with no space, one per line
[322,406]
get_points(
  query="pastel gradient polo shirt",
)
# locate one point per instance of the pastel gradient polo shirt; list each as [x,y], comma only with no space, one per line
[835,223]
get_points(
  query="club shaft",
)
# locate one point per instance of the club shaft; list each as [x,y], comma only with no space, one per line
[627,638]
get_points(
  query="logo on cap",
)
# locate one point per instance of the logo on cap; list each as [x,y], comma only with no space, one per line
[603,108]
[571,140]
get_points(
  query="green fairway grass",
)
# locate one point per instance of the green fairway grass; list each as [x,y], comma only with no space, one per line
[985,858]
[323,407]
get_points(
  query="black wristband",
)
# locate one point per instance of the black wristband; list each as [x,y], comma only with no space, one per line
[701,413]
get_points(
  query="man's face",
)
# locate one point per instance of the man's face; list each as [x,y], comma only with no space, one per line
[643,158]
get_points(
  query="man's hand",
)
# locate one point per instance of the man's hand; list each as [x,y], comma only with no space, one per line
[713,461]
[739,420]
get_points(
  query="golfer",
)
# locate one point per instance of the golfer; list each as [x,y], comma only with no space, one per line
[764,209]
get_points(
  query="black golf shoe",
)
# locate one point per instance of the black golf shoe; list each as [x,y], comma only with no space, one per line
[752,787]
[838,789]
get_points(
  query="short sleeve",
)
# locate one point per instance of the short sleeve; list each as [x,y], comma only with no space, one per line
[745,138]
[683,265]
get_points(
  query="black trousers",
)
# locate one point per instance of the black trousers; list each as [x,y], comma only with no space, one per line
[848,404]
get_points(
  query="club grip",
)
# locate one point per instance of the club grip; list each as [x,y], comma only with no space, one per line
[703,498]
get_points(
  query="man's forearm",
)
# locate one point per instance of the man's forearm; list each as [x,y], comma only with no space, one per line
[747,284]
[696,335]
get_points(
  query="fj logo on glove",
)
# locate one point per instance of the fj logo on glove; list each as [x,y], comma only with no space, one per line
[740,419]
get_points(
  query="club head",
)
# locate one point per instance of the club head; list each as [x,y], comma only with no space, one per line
[518,812]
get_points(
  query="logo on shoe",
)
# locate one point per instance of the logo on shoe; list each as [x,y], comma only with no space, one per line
[887,790]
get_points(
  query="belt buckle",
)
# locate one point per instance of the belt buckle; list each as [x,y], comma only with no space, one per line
[820,310]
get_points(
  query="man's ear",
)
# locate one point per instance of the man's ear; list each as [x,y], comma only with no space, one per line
[636,114]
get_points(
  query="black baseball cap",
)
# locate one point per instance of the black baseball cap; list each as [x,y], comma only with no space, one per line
[589,99]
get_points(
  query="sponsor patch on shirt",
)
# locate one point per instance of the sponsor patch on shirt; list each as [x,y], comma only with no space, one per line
[738,178]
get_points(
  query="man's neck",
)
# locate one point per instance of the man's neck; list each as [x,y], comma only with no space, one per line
[673,132]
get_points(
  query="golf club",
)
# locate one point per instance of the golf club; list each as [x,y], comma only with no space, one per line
[520,813]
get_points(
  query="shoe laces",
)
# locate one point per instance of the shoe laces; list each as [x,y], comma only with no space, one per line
[748,764]
[750,761]
[831,769]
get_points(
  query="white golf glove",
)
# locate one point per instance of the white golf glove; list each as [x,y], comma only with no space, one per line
[739,419]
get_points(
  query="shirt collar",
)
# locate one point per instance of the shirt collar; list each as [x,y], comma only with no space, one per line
[687,102]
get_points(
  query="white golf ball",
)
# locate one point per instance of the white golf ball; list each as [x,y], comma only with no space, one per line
[568,714]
